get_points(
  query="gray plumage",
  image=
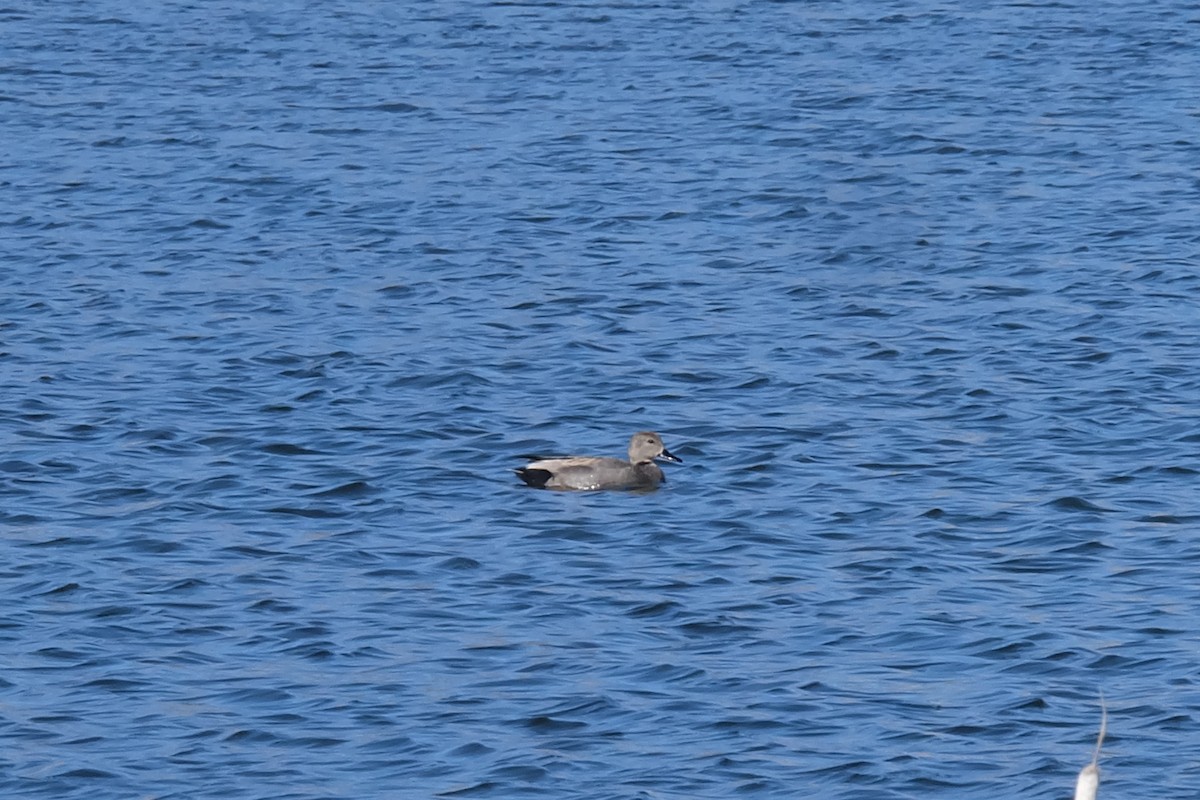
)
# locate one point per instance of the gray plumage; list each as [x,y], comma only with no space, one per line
[588,473]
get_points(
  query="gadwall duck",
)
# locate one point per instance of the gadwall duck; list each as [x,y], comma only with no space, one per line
[588,473]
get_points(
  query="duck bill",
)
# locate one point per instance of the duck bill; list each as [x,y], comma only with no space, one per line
[669,456]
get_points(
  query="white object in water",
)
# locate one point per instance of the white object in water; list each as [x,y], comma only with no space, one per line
[1089,777]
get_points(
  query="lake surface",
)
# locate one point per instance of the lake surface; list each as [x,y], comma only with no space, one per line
[288,289]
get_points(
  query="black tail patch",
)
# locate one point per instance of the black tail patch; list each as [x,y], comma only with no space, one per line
[533,477]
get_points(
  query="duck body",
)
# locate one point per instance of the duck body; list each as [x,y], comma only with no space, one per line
[592,473]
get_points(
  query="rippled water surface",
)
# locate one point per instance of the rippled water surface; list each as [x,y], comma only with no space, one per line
[287,290]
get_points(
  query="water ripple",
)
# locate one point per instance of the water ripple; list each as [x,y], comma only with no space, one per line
[290,291]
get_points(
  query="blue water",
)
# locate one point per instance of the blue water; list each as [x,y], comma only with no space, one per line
[287,289]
